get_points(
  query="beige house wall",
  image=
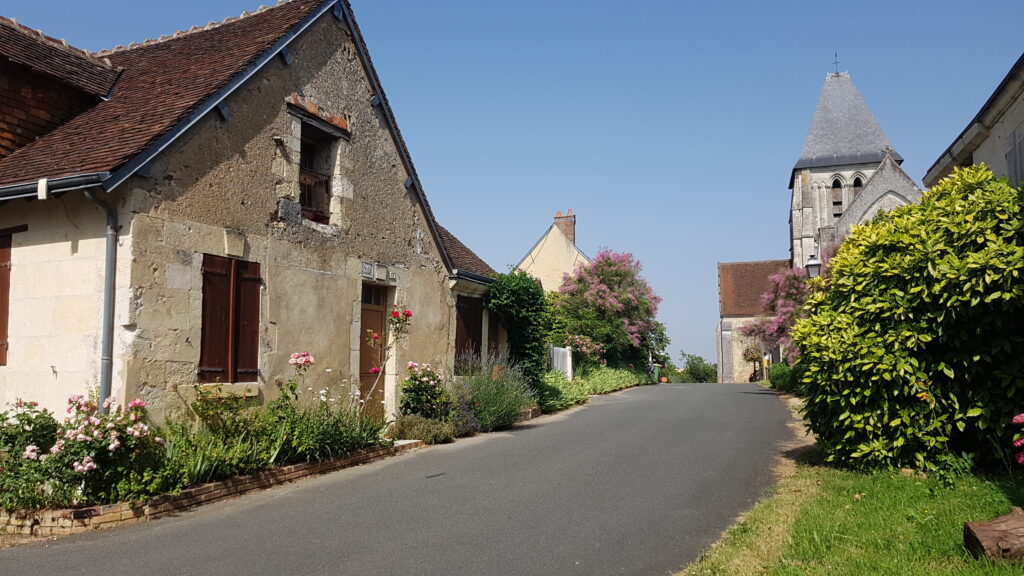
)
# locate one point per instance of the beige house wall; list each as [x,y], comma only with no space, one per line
[551,258]
[56,299]
[992,150]
[230,188]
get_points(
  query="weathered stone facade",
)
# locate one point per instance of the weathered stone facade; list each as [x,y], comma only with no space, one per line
[229,186]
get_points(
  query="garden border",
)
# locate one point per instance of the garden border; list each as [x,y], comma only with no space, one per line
[74,520]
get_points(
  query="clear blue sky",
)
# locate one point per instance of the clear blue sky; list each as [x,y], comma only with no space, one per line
[669,127]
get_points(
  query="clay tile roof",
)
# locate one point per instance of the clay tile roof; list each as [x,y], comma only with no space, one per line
[54,58]
[162,82]
[462,257]
[741,284]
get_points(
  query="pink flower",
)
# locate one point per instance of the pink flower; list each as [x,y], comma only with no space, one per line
[395,314]
[374,370]
[56,448]
[158,440]
[1020,458]
[137,403]
[407,313]
[413,365]
[1018,419]
[1018,442]
[30,452]
[114,445]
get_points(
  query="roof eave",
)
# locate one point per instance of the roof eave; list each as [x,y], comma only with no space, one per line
[971,137]
[54,186]
[126,170]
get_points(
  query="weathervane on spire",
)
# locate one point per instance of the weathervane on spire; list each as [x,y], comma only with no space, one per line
[837,62]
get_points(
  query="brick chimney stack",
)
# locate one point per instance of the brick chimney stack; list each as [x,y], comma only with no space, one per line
[567,224]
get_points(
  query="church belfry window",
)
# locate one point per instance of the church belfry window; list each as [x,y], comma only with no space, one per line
[837,198]
[857,186]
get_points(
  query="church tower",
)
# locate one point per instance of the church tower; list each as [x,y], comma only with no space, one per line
[843,149]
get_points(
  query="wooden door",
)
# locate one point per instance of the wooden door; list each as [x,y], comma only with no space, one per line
[373,318]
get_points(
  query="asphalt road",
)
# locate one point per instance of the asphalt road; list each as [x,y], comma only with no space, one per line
[637,482]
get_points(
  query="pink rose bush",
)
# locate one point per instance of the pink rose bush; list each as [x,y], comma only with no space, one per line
[1019,442]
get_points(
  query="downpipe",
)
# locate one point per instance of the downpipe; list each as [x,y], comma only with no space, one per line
[109,276]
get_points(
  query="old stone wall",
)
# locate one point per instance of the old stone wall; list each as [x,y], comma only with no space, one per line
[230,187]
[812,207]
[730,345]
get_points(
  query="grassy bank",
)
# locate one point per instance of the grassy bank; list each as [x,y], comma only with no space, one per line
[821,520]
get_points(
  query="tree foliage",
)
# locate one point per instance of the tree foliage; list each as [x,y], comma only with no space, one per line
[782,304]
[912,349]
[609,302]
[697,369]
[524,309]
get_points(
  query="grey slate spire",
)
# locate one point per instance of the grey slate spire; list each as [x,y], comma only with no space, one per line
[843,130]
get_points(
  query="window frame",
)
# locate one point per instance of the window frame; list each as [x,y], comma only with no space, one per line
[230,322]
[6,257]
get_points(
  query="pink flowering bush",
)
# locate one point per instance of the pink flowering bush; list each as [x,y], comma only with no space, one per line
[782,304]
[610,303]
[1018,443]
[110,456]
[90,457]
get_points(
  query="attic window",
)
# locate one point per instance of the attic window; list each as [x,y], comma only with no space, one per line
[316,163]
[837,198]
[857,186]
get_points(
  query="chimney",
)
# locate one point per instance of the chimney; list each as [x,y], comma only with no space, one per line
[567,224]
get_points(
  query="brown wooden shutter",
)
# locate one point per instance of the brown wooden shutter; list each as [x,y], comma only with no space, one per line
[216,329]
[468,325]
[5,295]
[247,316]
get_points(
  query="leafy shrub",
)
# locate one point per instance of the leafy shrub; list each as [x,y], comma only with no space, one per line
[602,379]
[524,310]
[462,413]
[912,347]
[698,369]
[424,393]
[26,433]
[417,427]
[499,401]
[557,393]
[782,378]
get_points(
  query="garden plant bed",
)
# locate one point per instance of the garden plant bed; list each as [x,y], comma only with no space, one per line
[72,520]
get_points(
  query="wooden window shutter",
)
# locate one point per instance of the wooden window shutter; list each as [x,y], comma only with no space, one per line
[247,339]
[216,328]
[5,295]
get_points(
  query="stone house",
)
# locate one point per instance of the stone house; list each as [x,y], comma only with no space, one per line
[994,136]
[197,207]
[740,287]
[555,254]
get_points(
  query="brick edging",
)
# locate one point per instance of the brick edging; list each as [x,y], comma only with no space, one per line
[72,520]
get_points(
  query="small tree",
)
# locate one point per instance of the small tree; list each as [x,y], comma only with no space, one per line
[698,369]
[524,309]
[781,304]
[609,302]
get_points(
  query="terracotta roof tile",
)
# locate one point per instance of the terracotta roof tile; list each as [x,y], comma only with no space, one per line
[162,82]
[462,257]
[741,284]
[36,51]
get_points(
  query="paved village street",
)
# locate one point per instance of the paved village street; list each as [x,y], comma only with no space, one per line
[637,482]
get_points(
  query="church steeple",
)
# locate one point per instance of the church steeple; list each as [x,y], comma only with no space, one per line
[843,131]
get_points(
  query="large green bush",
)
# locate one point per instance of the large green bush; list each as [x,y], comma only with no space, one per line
[524,310]
[913,347]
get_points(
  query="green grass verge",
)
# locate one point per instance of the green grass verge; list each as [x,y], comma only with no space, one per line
[827,521]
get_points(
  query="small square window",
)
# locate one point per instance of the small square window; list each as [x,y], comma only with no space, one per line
[316,163]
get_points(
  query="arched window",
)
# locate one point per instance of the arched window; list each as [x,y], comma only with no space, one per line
[857,185]
[837,198]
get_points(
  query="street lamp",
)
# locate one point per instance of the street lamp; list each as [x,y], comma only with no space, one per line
[813,267]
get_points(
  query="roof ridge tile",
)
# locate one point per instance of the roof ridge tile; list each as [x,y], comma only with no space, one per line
[58,43]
